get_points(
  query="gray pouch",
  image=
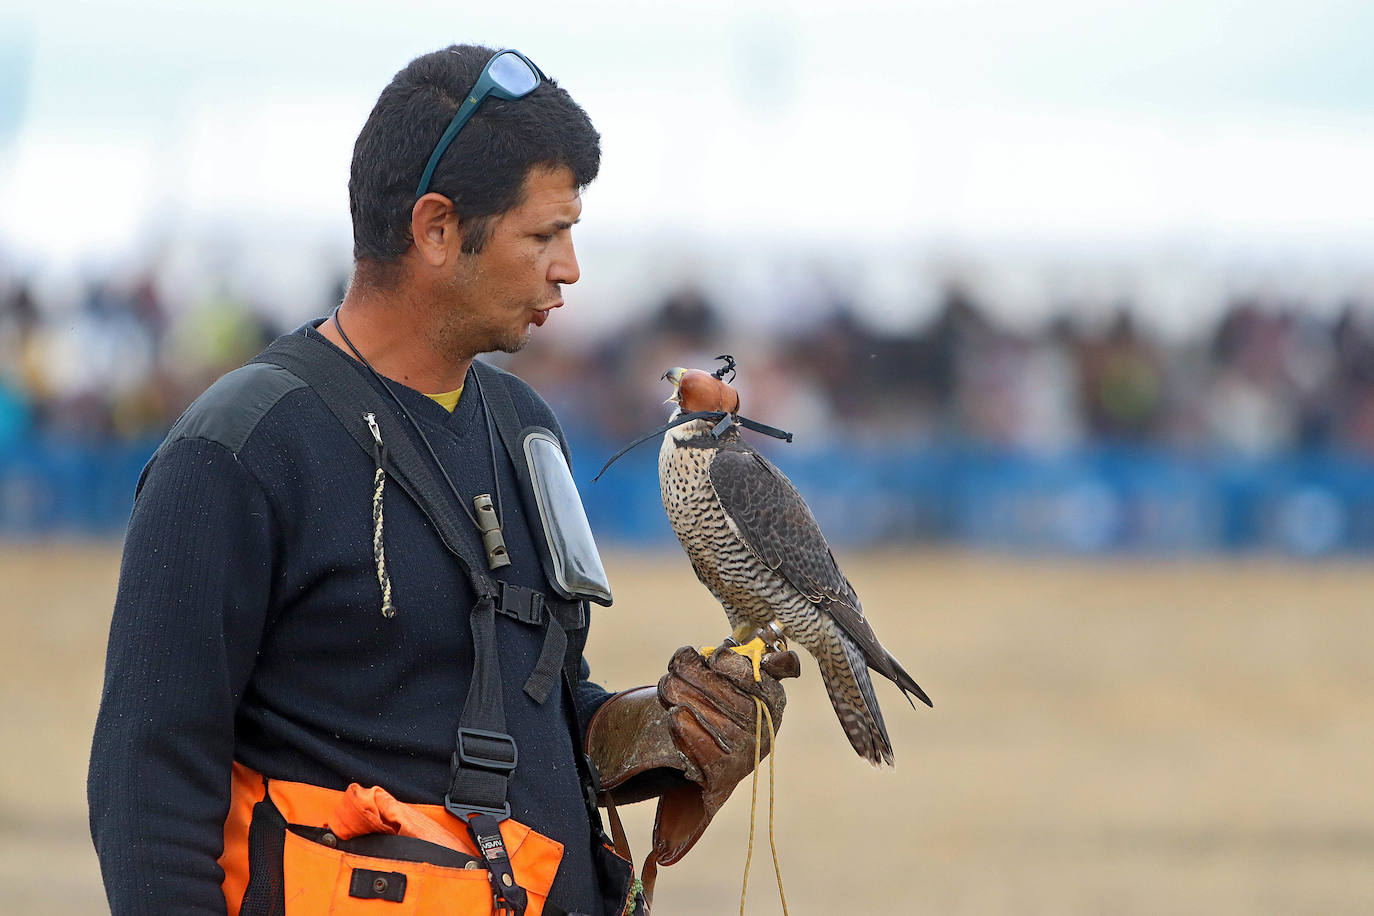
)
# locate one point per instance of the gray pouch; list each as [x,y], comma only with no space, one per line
[568,551]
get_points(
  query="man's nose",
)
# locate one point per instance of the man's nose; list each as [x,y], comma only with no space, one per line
[564,268]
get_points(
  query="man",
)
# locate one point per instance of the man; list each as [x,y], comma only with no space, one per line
[313,592]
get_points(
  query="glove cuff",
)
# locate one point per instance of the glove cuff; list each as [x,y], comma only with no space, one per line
[632,748]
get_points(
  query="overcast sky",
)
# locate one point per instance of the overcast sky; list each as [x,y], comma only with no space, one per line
[857,124]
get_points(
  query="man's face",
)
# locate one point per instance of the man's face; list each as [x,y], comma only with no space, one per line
[497,296]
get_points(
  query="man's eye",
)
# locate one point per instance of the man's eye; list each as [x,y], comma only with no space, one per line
[545,237]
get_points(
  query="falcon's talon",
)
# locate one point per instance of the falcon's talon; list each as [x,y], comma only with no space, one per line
[754,650]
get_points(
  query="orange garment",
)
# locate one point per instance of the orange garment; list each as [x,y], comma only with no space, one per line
[317,877]
[375,810]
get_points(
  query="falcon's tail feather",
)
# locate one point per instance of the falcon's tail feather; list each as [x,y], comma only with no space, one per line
[895,673]
[851,693]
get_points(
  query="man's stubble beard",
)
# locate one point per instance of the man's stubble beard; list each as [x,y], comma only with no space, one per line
[459,336]
[459,339]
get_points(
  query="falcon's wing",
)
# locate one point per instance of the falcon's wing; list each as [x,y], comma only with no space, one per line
[777,525]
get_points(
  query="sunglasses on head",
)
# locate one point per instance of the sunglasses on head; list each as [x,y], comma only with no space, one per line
[508,75]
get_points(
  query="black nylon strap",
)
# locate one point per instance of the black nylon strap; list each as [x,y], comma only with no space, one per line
[483,708]
[485,757]
[508,897]
[550,663]
[325,368]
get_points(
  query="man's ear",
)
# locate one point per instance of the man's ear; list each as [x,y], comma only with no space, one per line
[434,229]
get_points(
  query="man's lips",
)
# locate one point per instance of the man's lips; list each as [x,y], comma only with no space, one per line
[542,315]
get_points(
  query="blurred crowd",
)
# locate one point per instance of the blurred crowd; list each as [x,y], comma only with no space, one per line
[115,362]
[1262,380]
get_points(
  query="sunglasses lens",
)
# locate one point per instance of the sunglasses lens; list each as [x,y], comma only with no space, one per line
[512,74]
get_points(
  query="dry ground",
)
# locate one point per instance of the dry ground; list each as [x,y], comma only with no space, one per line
[1109,737]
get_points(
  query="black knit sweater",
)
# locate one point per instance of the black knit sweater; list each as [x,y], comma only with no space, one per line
[248,627]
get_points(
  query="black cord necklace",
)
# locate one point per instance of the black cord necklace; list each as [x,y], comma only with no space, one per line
[486,519]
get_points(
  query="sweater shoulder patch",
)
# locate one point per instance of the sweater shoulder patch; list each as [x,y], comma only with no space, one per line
[230,409]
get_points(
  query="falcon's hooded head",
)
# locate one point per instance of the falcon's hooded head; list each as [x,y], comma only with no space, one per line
[697,389]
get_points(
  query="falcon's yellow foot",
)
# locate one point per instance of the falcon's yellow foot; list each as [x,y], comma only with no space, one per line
[754,650]
[739,634]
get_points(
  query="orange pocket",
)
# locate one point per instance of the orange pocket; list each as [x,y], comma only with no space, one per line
[317,879]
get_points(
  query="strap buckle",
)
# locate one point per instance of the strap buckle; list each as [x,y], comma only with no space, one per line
[469,754]
[463,812]
[481,749]
[524,604]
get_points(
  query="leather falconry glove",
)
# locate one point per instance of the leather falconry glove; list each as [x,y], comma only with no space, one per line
[689,741]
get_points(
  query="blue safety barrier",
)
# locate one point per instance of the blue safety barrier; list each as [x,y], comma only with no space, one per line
[53,486]
[1088,501]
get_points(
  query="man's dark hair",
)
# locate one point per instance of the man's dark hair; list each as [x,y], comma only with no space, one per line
[482,171]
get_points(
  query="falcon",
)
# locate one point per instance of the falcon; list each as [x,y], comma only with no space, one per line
[755,544]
